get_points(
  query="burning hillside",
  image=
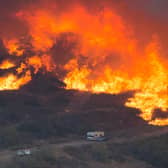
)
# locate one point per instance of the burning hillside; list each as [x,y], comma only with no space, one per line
[91,49]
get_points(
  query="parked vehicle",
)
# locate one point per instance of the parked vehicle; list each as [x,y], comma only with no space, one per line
[23,152]
[96,136]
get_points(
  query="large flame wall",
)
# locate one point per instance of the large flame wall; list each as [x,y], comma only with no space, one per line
[101,53]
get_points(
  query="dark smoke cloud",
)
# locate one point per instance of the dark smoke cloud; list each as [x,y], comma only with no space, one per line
[159,114]
[9,24]
[153,10]
[146,17]
[63,48]
[3,51]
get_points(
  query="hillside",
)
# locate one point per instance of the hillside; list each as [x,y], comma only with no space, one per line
[43,113]
[43,109]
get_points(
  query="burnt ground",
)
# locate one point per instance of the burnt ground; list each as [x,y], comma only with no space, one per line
[43,109]
[43,112]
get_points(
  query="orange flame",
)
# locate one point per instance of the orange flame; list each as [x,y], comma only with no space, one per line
[153,92]
[114,62]
[13,47]
[11,82]
[6,64]
[35,62]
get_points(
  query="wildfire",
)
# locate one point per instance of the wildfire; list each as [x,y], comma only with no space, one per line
[35,62]
[106,57]
[13,47]
[159,121]
[11,82]
[76,78]
[153,92]
[7,64]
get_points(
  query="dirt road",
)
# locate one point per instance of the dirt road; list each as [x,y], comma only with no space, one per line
[6,155]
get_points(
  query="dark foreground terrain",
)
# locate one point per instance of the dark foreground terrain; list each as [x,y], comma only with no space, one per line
[44,113]
[147,149]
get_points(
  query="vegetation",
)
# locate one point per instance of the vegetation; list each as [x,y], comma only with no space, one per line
[45,158]
[28,115]
[99,153]
[153,151]
[27,118]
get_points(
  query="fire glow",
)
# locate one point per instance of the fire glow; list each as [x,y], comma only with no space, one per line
[112,61]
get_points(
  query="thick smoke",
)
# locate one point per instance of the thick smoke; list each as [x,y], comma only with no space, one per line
[154,11]
[97,46]
[146,18]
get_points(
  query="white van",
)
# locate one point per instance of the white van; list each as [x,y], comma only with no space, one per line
[23,152]
[96,136]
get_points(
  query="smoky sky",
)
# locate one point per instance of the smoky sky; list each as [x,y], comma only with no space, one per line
[155,8]
[146,17]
